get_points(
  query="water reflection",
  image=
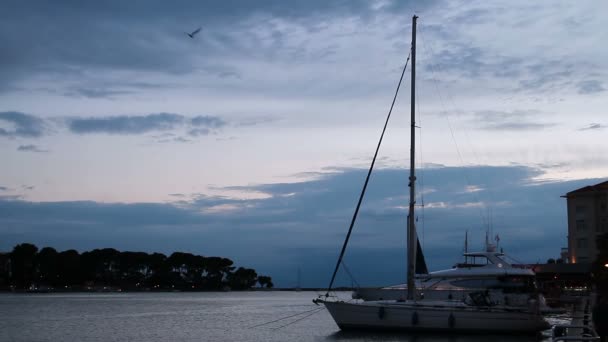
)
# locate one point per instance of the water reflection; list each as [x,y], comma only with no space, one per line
[428,337]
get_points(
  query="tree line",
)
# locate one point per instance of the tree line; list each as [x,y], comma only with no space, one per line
[28,268]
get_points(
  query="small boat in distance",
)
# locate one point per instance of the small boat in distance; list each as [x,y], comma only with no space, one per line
[476,313]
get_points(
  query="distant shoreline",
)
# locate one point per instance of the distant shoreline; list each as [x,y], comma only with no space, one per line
[109,290]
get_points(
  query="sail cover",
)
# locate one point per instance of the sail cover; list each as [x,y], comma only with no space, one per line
[420,262]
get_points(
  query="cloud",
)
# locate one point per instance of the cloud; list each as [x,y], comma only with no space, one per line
[307,221]
[547,75]
[590,87]
[126,124]
[3,188]
[31,148]
[514,120]
[199,131]
[121,37]
[207,121]
[18,124]
[255,121]
[205,125]
[592,126]
[21,125]
[96,93]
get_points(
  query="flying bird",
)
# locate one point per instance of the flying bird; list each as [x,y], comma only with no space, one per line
[191,35]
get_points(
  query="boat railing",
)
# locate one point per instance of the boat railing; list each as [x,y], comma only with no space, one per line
[580,329]
[568,332]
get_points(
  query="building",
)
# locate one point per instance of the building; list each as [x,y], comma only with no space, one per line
[587,218]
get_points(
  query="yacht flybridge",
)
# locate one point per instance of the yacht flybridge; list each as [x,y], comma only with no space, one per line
[476,313]
[490,272]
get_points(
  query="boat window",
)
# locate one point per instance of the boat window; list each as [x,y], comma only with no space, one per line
[472,283]
[507,284]
[474,261]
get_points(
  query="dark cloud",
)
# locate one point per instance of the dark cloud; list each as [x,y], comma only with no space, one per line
[21,125]
[255,121]
[31,148]
[303,224]
[67,37]
[199,132]
[590,87]
[18,124]
[96,93]
[514,120]
[169,138]
[207,121]
[126,124]
[3,188]
[547,75]
[592,126]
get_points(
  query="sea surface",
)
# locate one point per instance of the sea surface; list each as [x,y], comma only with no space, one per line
[226,316]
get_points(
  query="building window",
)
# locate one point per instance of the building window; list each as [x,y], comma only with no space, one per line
[583,260]
[581,243]
[580,211]
[581,226]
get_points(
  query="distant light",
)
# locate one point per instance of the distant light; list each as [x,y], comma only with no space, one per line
[606,265]
[499,265]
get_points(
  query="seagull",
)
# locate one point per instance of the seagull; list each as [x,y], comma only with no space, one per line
[191,35]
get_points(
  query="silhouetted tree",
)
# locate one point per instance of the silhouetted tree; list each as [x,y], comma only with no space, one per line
[69,268]
[265,281]
[47,260]
[127,270]
[242,278]
[4,267]
[23,267]
[159,271]
[101,266]
[133,267]
[551,261]
[217,272]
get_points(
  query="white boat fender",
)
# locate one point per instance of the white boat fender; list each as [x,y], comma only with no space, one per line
[451,320]
[415,318]
[381,312]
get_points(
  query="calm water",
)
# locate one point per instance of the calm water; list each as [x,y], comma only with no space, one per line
[184,317]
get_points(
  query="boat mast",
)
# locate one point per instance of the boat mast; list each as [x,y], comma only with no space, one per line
[411,234]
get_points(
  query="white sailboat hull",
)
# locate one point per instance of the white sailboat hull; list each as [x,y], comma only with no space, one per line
[414,316]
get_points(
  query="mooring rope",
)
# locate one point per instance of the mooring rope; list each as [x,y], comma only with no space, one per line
[301,318]
[280,319]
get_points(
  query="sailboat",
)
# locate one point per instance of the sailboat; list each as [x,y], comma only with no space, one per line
[474,314]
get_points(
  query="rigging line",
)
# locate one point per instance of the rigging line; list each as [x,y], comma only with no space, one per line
[352,222]
[301,318]
[484,219]
[280,319]
[350,274]
[490,192]
[421,169]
